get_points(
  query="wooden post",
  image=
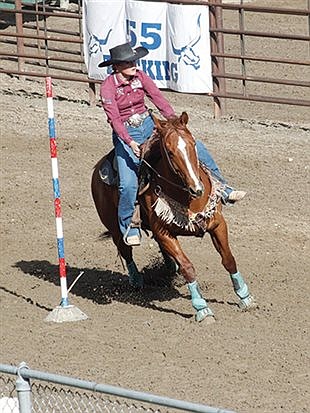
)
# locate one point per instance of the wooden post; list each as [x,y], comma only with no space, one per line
[20,39]
[217,46]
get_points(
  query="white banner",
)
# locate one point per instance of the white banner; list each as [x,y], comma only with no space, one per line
[177,37]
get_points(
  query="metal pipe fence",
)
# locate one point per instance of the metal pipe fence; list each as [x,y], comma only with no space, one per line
[246,84]
[52,393]
[236,51]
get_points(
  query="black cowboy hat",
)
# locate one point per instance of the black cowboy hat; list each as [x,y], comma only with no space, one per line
[124,53]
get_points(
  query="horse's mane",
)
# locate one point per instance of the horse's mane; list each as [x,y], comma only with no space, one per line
[174,123]
[151,147]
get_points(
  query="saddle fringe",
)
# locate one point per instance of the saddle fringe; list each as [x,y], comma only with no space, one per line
[171,211]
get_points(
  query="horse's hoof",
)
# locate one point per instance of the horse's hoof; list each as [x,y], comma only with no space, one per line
[136,281]
[248,303]
[135,278]
[205,314]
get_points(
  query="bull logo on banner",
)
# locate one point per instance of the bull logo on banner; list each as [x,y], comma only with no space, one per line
[176,50]
[95,44]
[186,53]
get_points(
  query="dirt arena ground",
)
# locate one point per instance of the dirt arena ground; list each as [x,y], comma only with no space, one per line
[248,362]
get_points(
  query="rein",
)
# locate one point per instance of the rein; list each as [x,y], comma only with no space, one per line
[183,188]
[163,146]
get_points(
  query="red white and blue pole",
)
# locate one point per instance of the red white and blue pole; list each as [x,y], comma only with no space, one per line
[56,189]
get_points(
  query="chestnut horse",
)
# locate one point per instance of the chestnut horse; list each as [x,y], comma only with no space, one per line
[180,199]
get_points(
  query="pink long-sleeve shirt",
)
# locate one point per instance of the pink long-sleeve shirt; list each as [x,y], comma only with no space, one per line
[121,100]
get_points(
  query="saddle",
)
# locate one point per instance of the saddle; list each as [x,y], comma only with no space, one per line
[108,169]
[108,172]
[150,152]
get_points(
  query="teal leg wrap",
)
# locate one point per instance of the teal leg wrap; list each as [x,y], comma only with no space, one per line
[199,303]
[247,301]
[240,287]
[135,278]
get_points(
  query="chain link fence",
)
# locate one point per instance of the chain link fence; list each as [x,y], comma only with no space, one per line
[50,393]
[51,399]
[48,398]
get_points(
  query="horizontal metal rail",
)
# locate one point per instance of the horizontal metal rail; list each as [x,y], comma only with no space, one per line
[267,99]
[34,27]
[262,9]
[263,79]
[36,4]
[71,15]
[262,59]
[262,34]
[42,57]
[55,76]
[27,373]
[39,37]
[62,68]
[55,67]
[245,7]
[35,46]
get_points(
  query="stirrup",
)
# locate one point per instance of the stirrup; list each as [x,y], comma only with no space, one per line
[132,240]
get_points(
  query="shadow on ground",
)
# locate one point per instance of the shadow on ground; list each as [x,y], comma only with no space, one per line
[104,286]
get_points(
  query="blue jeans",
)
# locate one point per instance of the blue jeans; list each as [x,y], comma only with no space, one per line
[128,168]
[205,157]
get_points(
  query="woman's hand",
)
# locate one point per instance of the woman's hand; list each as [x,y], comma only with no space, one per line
[135,148]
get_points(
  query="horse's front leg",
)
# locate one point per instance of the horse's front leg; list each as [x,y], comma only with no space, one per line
[219,236]
[171,246]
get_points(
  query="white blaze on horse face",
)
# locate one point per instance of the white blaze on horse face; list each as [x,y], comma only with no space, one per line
[182,149]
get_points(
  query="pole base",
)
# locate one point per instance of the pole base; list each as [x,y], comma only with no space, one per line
[62,314]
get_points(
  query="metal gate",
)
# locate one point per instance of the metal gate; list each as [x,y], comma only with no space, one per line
[39,39]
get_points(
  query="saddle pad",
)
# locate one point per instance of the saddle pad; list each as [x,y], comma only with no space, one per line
[107,172]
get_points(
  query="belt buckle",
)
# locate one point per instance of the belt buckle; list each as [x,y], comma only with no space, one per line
[135,120]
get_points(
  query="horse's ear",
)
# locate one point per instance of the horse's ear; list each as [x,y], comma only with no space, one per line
[184,118]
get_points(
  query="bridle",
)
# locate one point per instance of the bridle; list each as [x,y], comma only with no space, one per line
[159,176]
[174,171]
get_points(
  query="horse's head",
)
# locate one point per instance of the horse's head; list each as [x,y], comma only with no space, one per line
[179,149]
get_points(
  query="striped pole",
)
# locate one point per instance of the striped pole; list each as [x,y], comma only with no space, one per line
[56,188]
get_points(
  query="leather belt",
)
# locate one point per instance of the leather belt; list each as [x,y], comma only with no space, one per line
[137,119]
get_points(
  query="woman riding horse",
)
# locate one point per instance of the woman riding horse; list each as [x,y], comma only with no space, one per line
[180,198]
[122,95]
